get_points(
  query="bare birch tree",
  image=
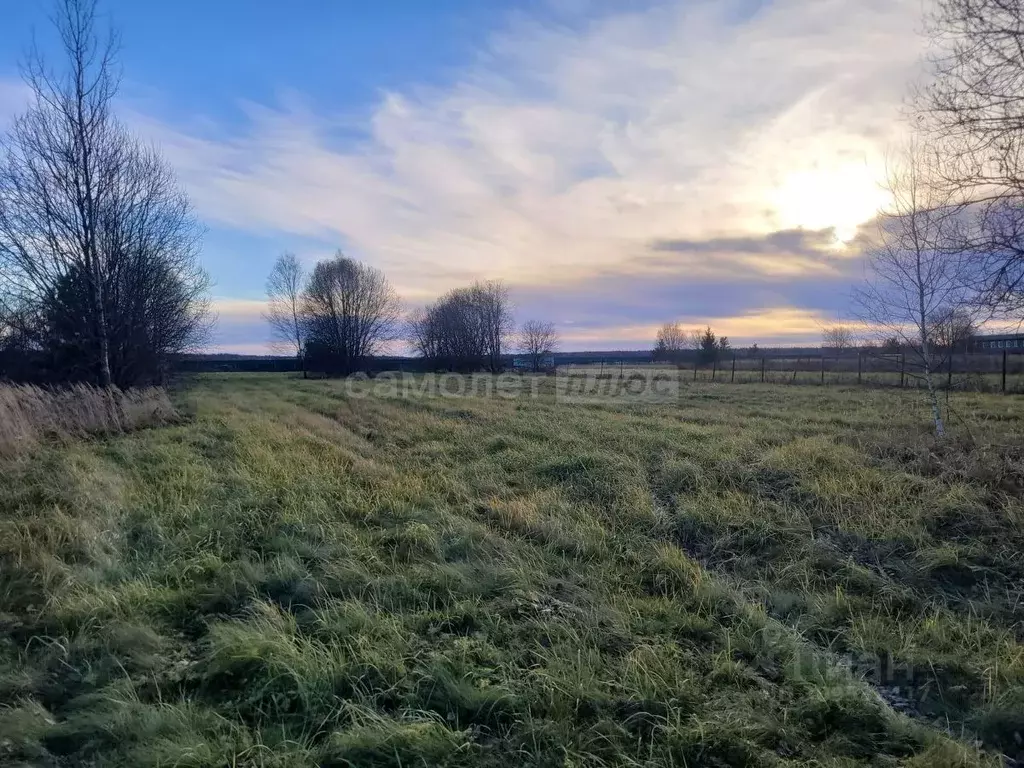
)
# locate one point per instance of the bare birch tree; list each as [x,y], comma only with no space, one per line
[913,278]
[537,340]
[57,173]
[284,306]
[98,244]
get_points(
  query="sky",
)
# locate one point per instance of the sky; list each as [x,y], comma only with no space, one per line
[618,164]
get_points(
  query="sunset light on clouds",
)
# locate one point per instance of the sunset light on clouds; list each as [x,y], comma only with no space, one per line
[617,164]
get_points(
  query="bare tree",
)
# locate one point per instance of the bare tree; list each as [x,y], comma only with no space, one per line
[492,300]
[284,306]
[973,112]
[97,242]
[837,338]
[56,179]
[154,290]
[670,342]
[8,320]
[537,340]
[421,333]
[953,328]
[466,329]
[913,278]
[449,333]
[695,340]
[351,313]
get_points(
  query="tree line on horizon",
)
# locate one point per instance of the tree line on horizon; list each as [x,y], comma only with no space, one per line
[342,313]
[673,344]
[951,331]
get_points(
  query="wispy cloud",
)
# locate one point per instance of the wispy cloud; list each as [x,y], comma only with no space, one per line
[593,162]
[240,326]
[570,147]
[226,307]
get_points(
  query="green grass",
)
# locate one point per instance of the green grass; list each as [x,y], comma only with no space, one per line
[757,575]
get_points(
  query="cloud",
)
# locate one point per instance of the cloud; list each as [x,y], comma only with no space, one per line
[702,159]
[240,326]
[783,254]
[711,130]
[810,243]
[242,308]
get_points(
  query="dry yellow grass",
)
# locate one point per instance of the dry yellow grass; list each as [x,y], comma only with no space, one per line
[29,413]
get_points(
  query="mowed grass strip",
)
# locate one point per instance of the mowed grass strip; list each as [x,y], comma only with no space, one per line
[753,575]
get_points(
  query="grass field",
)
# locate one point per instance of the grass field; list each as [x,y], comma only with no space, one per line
[740,576]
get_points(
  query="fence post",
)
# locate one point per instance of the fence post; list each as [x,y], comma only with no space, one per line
[1004,372]
[762,370]
[695,364]
[714,368]
[859,355]
[823,370]
[732,376]
[903,369]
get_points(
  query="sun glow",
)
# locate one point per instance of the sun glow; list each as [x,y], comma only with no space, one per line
[841,198]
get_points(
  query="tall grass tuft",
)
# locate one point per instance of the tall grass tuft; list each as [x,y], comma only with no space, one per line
[29,413]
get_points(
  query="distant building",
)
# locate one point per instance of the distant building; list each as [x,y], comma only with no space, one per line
[998,342]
